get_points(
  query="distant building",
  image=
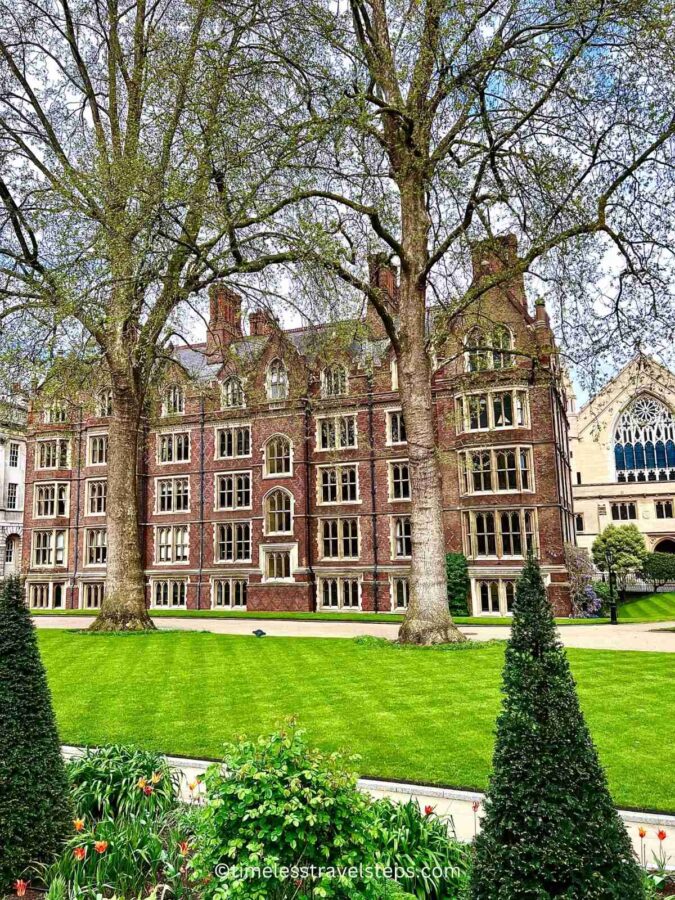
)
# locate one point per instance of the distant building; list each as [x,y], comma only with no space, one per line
[276,477]
[13,411]
[623,456]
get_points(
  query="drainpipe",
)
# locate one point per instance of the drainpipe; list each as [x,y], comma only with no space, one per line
[201,501]
[373,494]
[308,505]
[78,479]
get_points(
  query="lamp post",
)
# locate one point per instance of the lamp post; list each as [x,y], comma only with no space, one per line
[609,559]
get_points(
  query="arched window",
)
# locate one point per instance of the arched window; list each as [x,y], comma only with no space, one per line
[278,518]
[278,456]
[277,381]
[104,403]
[334,381]
[55,413]
[12,551]
[644,441]
[174,401]
[233,392]
[488,349]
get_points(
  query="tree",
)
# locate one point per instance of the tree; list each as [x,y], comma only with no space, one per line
[140,159]
[550,828]
[459,583]
[35,808]
[458,123]
[658,569]
[581,572]
[627,548]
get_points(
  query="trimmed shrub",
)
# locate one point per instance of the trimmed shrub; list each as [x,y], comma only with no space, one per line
[457,576]
[550,829]
[627,546]
[35,811]
[659,569]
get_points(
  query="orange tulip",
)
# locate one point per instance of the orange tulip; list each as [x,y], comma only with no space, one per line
[78,824]
[20,887]
[642,832]
[79,853]
[183,846]
[100,846]
[661,835]
[142,782]
[193,785]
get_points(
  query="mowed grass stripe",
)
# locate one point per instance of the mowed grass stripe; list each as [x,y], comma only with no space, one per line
[412,714]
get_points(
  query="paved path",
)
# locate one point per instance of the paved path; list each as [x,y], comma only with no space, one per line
[644,636]
[450,802]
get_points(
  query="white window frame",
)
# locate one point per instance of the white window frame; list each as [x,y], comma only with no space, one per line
[393,539]
[50,585]
[231,581]
[173,402]
[87,494]
[269,387]
[103,547]
[470,539]
[291,548]
[169,581]
[104,403]
[390,473]
[233,427]
[393,370]
[339,581]
[235,473]
[393,578]
[462,416]
[225,389]
[390,413]
[85,587]
[52,548]
[172,479]
[287,493]
[340,538]
[466,481]
[291,457]
[173,435]
[338,468]
[52,440]
[56,413]
[14,455]
[329,395]
[234,524]
[336,418]
[174,544]
[502,579]
[95,436]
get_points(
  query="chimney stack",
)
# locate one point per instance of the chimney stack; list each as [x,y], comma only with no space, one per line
[383,277]
[224,319]
[261,322]
[491,256]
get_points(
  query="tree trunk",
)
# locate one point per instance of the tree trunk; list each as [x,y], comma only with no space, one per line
[124,607]
[428,619]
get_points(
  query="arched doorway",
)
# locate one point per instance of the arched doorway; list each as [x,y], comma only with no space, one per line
[665,546]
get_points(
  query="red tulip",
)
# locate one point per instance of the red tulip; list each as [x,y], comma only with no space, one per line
[183,846]
[148,789]
[20,887]
[642,832]
[475,806]
[100,846]
[428,810]
[661,835]
[79,853]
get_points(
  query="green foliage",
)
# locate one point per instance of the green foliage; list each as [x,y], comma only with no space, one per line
[277,802]
[121,780]
[627,547]
[459,584]
[429,864]
[34,802]
[550,828]
[659,569]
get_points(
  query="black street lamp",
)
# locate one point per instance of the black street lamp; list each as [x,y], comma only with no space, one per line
[609,559]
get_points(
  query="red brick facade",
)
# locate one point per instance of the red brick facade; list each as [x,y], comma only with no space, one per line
[217,532]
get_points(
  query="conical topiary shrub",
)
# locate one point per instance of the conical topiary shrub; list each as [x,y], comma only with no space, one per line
[550,828]
[34,795]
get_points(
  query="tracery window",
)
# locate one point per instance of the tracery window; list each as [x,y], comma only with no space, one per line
[278,513]
[644,442]
[488,349]
[233,392]
[277,381]
[334,381]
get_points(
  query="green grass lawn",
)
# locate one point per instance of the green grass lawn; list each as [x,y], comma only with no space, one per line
[648,608]
[410,713]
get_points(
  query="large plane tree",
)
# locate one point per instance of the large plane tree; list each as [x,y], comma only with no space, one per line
[460,122]
[142,147]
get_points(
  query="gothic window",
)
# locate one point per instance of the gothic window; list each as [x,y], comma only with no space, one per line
[278,513]
[233,392]
[644,442]
[174,401]
[278,456]
[334,381]
[104,403]
[277,381]
[488,349]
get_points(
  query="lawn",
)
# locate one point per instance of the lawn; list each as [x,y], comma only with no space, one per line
[648,608]
[410,713]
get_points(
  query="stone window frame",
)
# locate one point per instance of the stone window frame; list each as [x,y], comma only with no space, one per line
[341,557]
[465,485]
[85,586]
[234,523]
[395,577]
[173,401]
[91,437]
[227,391]
[266,512]
[339,581]
[285,547]
[56,439]
[272,386]
[404,461]
[157,493]
[327,394]
[462,418]
[393,536]
[174,529]
[41,485]
[87,496]
[234,473]
[265,457]
[169,580]
[231,580]
[102,547]
[52,548]
[232,426]
[336,417]
[501,580]
[390,412]
[338,467]
[470,532]
[172,433]
[50,585]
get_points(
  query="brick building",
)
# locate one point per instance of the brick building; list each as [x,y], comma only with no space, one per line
[274,476]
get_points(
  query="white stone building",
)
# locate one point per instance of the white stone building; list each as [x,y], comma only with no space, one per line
[623,456]
[13,411]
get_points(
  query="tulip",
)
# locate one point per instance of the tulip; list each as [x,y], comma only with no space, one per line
[100,846]
[147,790]
[661,835]
[20,887]
[79,853]
[475,806]
[155,778]
[142,783]
[428,810]
[78,824]
[193,785]
[183,846]
[642,832]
